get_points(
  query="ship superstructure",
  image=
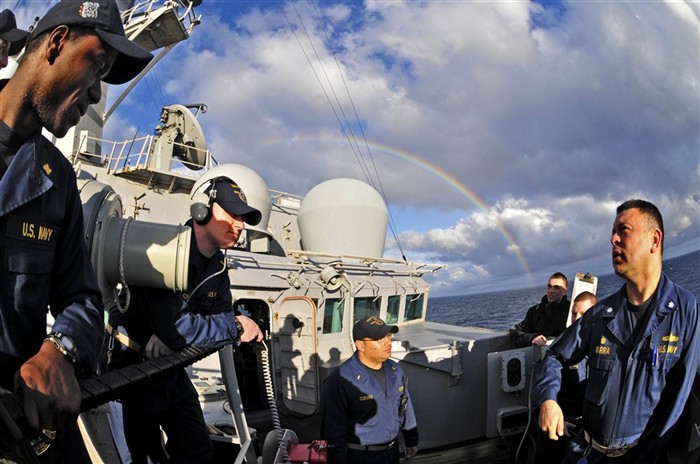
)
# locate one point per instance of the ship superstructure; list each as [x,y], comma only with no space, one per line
[312,267]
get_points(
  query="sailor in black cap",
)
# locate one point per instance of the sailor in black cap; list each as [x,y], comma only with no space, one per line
[365,402]
[12,40]
[159,321]
[45,264]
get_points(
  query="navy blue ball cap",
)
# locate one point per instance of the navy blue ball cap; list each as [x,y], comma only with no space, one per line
[231,198]
[10,33]
[372,328]
[102,16]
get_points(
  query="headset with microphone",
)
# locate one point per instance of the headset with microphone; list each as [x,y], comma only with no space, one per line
[200,202]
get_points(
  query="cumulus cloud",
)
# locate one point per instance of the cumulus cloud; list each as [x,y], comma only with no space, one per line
[511,130]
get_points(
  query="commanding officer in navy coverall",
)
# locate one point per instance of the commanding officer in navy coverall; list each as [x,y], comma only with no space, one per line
[44,262]
[159,321]
[642,345]
[365,402]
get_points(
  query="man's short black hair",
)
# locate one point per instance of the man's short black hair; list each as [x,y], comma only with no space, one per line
[75,32]
[559,275]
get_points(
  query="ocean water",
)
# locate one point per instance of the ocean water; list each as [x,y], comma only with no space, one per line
[501,310]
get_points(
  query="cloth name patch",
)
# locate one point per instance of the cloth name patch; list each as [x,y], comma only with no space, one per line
[30,230]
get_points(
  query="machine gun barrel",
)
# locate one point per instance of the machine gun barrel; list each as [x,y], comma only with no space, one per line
[100,389]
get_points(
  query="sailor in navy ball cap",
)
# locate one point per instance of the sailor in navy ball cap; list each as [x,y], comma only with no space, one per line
[231,198]
[12,39]
[74,48]
[10,33]
[102,16]
[159,321]
[365,404]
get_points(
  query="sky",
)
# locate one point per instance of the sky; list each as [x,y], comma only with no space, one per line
[503,134]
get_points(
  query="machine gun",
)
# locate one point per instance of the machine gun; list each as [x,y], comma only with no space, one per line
[26,443]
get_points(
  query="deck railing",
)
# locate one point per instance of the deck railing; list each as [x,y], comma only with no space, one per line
[136,154]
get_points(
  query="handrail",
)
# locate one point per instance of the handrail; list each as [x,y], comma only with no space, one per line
[233,394]
[407,270]
[118,155]
[363,259]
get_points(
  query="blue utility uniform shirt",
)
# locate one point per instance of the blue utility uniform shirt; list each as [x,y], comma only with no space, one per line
[204,319]
[356,409]
[573,387]
[634,389]
[44,262]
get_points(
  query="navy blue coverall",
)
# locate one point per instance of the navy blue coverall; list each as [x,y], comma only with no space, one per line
[356,409]
[203,319]
[570,399]
[44,262]
[636,389]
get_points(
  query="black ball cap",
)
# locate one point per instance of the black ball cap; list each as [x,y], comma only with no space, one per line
[10,33]
[231,198]
[372,328]
[102,16]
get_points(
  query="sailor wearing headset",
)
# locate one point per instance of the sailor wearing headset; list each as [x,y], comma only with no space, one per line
[159,321]
[365,402]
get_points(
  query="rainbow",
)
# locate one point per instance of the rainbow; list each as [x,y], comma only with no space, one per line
[412,158]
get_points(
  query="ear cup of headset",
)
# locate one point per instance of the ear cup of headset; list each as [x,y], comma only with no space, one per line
[200,202]
[200,209]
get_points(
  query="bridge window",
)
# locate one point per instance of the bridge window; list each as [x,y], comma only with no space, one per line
[333,315]
[414,307]
[365,307]
[393,305]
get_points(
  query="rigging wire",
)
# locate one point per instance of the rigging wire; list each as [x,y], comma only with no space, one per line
[154,74]
[318,79]
[362,161]
[363,165]
[151,93]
